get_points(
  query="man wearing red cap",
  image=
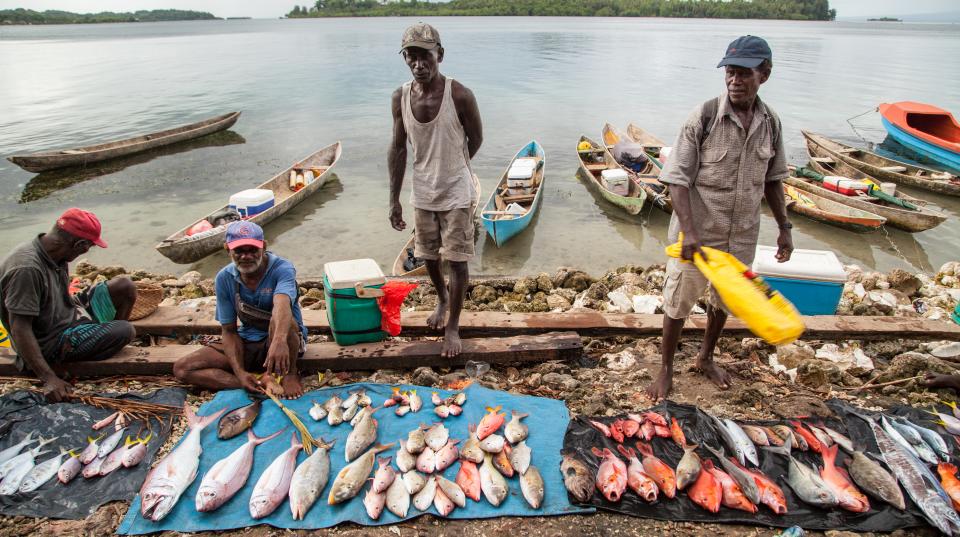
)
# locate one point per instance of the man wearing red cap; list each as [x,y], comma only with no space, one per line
[47,324]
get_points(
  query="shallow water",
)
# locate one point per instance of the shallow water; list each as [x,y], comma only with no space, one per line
[303,84]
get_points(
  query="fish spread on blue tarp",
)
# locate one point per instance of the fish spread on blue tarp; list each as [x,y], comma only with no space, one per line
[548,419]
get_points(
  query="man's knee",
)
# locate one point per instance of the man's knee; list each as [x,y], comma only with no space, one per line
[183,366]
[125,329]
[122,291]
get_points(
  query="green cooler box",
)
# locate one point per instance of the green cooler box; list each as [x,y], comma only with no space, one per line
[351,289]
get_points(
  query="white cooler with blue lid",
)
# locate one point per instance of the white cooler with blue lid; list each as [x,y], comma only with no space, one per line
[812,280]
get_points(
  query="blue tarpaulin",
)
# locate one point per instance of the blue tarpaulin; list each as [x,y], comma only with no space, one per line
[547,422]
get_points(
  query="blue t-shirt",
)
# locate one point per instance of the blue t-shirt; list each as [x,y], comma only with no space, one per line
[280,278]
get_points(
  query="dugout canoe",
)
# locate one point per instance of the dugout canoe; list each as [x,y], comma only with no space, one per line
[820,209]
[501,224]
[597,158]
[420,268]
[926,129]
[651,144]
[81,156]
[181,248]
[657,192]
[910,220]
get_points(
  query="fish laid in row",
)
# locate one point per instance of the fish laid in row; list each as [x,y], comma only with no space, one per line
[309,479]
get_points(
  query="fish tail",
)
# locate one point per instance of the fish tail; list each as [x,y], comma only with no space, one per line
[257,440]
[519,415]
[830,455]
[73,453]
[947,467]
[413,392]
[382,447]
[644,449]
[199,422]
[784,449]
[497,408]
[595,450]
[951,404]
[384,461]
[294,443]
[626,451]
[472,428]
[707,464]
[690,447]
[126,442]
[145,440]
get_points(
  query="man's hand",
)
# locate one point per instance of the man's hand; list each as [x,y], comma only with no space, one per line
[691,245]
[56,390]
[278,358]
[396,217]
[784,246]
[250,382]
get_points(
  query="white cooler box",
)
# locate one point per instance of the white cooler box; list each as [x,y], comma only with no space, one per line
[520,176]
[616,180]
[251,202]
[812,280]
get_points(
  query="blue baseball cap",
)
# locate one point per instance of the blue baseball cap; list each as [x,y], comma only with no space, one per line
[747,51]
[244,233]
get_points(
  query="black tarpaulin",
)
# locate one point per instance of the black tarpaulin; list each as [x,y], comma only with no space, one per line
[698,428]
[71,423]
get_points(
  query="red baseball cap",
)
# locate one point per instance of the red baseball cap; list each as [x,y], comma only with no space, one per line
[81,224]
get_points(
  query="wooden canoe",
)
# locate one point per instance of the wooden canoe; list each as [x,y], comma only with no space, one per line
[592,163]
[886,169]
[501,224]
[831,212]
[81,156]
[657,192]
[181,248]
[910,220]
[420,268]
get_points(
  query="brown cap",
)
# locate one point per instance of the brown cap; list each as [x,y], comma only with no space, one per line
[420,35]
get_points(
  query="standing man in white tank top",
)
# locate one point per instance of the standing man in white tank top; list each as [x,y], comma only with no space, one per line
[440,118]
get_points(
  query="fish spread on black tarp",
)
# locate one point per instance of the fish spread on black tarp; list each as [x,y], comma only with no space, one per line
[71,423]
[698,427]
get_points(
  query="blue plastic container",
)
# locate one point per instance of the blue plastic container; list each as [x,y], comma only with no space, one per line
[812,280]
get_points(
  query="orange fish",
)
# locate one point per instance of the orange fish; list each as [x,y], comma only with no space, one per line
[611,476]
[662,431]
[469,480]
[490,422]
[637,480]
[648,431]
[773,437]
[770,494]
[616,431]
[661,473]
[630,428]
[657,419]
[502,461]
[677,433]
[733,496]
[839,482]
[948,478]
[808,436]
[706,492]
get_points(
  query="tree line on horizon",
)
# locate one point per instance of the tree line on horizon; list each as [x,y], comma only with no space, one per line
[29,16]
[719,9]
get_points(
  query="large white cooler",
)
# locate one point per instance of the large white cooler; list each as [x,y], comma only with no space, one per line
[616,181]
[812,280]
[520,174]
[252,201]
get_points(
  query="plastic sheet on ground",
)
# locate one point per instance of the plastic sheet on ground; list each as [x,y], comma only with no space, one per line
[697,427]
[71,423]
[547,419]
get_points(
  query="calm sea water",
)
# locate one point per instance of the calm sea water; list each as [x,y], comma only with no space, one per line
[303,84]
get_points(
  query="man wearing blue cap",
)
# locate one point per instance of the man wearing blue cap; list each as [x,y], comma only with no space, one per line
[728,157]
[260,290]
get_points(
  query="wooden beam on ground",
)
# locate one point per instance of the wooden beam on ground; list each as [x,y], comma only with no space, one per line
[159,360]
[172,321]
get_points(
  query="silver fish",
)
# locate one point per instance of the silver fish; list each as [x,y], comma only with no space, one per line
[373,502]
[515,431]
[471,448]
[405,460]
[334,415]
[493,443]
[93,469]
[950,423]
[907,432]
[446,456]
[115,459]
[274,483]
[174,473]
[384,476]
[727,438]
[14,464]
[805,482]
[921,485]
[111,443]
[228,475]
[531,485]
[839,439]
[317,411]
[413,481]
[520,457]
[361,436]
[398,499]
[69,469]
[351,478]
[746,481]
[875,480]
[352,398]
[14,450]
[452,491]
[11,482]
[90,452]
[309,479]
[423,499]
[42,473]
[492,483]
[934,440]
[416,439]
[427,460]
[443,504]
[897,437]
[742,442]
[688,469]
[350,413]
[437,436]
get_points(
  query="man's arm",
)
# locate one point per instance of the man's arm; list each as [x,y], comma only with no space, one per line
[777,171]
[281,319]
[397,161]
[21,330]
[680,198]
[469,114]
[679,174]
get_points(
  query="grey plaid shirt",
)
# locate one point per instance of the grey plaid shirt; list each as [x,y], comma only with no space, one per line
[726,174]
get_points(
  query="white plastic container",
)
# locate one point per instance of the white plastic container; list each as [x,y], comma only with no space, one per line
[348,274]
[889,189]
[812,280]
[525,162]
[615,177]
[251,202]
[520,177]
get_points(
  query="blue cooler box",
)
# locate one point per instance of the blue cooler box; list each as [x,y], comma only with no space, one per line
[812,280]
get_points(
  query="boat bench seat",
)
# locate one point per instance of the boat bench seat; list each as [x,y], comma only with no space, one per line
[596,167]
[894,169]
[525,198]
[823,160]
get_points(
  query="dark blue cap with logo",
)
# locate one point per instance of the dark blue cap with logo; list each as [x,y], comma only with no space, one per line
[747,51]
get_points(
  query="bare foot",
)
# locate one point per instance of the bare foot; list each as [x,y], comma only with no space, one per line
[438,319]
[270,385]
[662,385]
[292,386]
[941,381]
[715,373]
[451,344]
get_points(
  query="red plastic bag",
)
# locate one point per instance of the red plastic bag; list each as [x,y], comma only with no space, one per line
[394,293]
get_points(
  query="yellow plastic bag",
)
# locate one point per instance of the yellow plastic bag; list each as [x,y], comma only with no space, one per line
[766,312]
[4,337]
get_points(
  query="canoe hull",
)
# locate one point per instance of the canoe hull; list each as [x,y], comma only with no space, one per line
[947,158]
[632,205]
[657,192]
[502,231]
[836,214]
[49,160]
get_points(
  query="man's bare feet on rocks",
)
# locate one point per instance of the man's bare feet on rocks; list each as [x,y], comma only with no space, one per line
[451,344]
[292,386]
[661,386]
[438,319]
[715,373]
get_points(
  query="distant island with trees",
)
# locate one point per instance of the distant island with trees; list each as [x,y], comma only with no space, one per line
[885,19]
[29,16]
[818,10]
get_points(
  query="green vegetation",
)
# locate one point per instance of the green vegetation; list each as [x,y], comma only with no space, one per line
[885,19]
[719,9]
[29,16]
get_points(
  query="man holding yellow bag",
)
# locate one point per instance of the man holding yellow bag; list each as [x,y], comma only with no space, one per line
[728,157]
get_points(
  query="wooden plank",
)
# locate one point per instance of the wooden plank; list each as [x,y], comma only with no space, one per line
[368,356]
[169,321]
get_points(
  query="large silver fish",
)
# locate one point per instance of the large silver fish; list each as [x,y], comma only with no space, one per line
[688,469]
[531,485]
[492,483]
[805,482]
[42,473]
[897,437]
[742,442]
[228,475]
[934,440]
[18,460]
[14,450]
[19,467]
[520,457]
[309,480]
[351,478]
[515,431]
[727,438]
[111,443]
[921,485]
[274,483]
[362,436]
[174,473]
[911,435]
[746,481]
[875,480]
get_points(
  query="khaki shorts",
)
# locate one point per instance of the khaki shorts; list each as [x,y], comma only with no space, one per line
[447,234]
[685,285]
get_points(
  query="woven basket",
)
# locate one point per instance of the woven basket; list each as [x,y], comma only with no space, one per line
[149,296]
